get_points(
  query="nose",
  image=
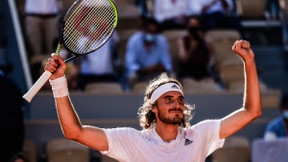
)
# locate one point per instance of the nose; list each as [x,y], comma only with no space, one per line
[177,104]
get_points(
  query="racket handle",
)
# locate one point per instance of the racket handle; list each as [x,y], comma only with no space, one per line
[37,86]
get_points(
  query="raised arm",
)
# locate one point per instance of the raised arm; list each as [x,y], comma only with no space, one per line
[68,118]
[252,100]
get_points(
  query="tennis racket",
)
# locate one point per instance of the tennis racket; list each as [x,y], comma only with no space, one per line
[87,25]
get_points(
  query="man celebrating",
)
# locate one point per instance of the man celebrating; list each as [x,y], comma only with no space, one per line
[164,116]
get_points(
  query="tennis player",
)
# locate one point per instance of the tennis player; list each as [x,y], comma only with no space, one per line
[164,116]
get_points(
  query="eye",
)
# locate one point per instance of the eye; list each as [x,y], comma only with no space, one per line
[168,99]
[181,100]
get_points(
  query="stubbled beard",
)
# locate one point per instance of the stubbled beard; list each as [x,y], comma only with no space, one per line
[175,120]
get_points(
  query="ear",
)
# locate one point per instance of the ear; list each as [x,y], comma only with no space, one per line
[154,108]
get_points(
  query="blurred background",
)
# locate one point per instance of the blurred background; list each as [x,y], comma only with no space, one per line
[190,39]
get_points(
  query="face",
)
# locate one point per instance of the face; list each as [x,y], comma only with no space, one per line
[150,33]
[19,160]
[170,108]
[193,22]
[151,29]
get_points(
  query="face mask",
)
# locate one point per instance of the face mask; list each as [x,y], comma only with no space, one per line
[193,31]
[149,38]
[285,114]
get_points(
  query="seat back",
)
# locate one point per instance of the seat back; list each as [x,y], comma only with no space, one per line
[250,9]
[222,42]
[272,150]
[236,149]
[139,88]
[103,88]
[29,150]
[59,150]
[172,37]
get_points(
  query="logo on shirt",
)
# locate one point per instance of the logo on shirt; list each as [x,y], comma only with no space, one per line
[174,87]
[187,142]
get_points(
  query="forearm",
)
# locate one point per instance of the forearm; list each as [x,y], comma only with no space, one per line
[68,118]
[252,97]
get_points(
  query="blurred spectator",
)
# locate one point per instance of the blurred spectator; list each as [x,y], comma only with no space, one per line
[143,8]
[100,65]
[170,14]
[147,54]
[278,128]
[194,53]
[11,116]
[41,24]
[214,13]
[19,157]
[272,9]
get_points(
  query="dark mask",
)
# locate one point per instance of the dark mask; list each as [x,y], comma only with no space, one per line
[193,31]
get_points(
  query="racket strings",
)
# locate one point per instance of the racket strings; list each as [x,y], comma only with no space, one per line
[78,34]
[89,26]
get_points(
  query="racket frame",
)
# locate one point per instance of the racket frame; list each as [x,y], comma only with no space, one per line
[46,75]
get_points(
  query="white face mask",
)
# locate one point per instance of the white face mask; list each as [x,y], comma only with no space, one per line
[150,38]
[285,114]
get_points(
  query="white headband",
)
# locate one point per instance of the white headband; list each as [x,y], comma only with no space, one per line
[163,89]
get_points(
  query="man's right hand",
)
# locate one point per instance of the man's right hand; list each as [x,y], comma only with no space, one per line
[56,66]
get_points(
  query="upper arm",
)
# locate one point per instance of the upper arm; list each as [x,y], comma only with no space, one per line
[93,137]
[234,122]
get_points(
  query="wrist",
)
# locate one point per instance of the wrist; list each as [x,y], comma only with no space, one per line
[54,77]
[59,87]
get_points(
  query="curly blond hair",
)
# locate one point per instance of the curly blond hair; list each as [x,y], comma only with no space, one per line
[147,118]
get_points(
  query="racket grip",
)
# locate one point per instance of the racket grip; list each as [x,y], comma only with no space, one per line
[37,86]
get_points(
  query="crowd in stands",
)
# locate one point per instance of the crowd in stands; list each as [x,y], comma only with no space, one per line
[147,51]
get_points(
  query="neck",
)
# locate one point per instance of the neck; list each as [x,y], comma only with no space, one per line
[167,132]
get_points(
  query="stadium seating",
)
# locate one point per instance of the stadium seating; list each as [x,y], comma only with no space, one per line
[104,88]
[29,150]
[139,88]
[172,37]
[236,149]
[124,36]
[227,63]
[59,150]
[201,87]
[129,14]
[272,150]
[250,9]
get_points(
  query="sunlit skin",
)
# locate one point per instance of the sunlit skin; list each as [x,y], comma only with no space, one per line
[169,111]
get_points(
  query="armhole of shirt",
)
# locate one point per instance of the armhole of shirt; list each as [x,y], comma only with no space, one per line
[221,141]
[109,142]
